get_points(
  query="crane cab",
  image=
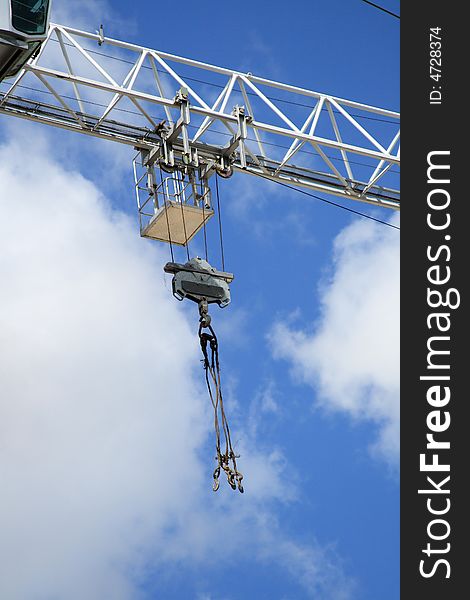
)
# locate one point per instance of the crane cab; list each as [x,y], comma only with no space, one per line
[23,27]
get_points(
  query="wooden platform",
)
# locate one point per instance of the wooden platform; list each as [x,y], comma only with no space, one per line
[176,222]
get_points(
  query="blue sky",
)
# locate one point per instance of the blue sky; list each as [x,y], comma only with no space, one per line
[108,447]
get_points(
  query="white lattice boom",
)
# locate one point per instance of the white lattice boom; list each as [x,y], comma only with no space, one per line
[182,112]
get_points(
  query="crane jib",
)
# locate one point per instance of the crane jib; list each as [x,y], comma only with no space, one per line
[189,117]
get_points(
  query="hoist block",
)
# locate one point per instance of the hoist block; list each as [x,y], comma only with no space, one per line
[176,223]
[197,281]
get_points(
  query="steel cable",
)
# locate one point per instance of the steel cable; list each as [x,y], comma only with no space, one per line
[226,461]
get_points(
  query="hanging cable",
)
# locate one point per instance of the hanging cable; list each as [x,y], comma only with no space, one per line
[389,12]
[356,212]
[166,215]
[180,194]
[227,460]
[203,200]
[220,221]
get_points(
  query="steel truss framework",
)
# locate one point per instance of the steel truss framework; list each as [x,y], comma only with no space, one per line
[184,113]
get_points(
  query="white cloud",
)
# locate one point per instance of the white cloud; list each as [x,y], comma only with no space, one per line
[321,576]
[351,356]
[102,415]
[99,423]
[90,14]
